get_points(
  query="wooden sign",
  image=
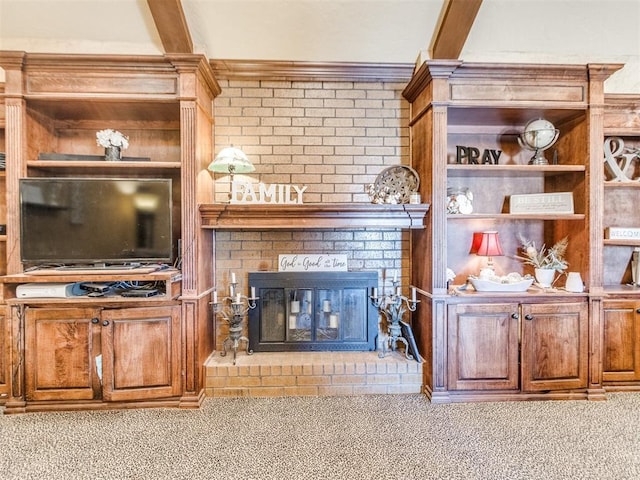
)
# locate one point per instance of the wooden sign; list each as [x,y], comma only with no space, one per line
[620,233]
[245,192]
[560,202]
[312,263]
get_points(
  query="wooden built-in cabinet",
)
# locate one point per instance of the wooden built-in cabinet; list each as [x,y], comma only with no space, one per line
[516,347]
[621,298]
[77,354]
[4,346]
[55,104]
[486,106]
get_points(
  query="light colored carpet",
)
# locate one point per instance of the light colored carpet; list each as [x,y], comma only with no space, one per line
[366,437]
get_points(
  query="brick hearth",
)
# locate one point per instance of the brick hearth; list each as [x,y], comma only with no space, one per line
[281,374]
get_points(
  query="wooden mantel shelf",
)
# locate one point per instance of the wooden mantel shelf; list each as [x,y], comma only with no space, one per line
[312,215]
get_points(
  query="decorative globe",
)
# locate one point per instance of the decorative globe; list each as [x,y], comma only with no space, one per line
[538,135]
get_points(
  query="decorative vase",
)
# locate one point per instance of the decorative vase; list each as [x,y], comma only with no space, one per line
[545,276]
[112,154]
[574,283]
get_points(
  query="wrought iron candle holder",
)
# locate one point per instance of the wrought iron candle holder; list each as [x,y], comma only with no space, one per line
[393,306]
[234,309]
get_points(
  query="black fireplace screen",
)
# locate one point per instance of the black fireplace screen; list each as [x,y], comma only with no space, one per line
[313,311]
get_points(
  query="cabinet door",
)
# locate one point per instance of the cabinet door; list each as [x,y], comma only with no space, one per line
[141,353]
[60,349]
[621,361]
[483,347]
[554,346]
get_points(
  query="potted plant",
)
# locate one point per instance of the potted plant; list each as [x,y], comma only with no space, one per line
[113,142]
[545,261]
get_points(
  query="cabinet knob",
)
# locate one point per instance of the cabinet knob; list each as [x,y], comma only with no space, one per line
[95,320]
[528,316]
[515,316]
[105,323]
[638,310]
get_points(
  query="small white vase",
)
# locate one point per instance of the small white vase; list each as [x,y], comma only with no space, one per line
[113,154]
[574,283]
[545,276]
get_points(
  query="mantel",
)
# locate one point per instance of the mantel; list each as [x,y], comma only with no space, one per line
[312,215]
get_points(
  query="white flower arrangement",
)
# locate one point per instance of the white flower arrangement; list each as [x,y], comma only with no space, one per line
[112,138]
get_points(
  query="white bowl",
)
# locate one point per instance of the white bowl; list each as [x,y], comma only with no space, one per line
[490,286]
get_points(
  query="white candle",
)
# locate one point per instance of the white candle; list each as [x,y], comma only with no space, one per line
[233,277]
[253,292]
[238,298]
[395,277]
[326,306]
[295,306]
[292,322]
[231,291]
[413,294]
[333,321]
[215,296]
[375,292]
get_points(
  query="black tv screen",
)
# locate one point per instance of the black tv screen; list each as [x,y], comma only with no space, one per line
[82,221]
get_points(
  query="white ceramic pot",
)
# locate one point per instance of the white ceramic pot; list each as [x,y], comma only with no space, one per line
[545,276]
[574,283]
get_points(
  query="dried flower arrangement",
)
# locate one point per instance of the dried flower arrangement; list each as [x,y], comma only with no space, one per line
[549,259]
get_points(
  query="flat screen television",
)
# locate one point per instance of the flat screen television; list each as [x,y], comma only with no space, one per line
[95,221]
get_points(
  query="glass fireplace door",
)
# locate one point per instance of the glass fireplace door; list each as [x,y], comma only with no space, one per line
[313,311]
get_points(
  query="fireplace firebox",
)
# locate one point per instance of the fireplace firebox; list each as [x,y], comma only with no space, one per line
[309,311]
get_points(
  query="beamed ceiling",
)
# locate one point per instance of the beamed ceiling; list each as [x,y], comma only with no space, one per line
[369,31]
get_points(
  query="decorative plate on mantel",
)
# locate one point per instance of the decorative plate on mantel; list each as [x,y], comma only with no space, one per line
[397,180]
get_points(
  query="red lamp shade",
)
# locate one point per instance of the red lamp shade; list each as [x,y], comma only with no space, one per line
[475,243]
[488,244]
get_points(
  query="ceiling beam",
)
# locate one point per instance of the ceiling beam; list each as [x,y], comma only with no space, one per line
[454,26]
[171,25]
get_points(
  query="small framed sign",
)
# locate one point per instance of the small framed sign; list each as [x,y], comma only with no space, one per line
[621,233]
[312,263]
[560,203]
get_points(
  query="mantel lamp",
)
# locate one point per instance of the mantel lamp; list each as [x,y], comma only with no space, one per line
[486,244]
[231,160]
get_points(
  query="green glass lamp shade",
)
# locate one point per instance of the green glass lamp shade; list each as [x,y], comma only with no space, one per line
[231,160]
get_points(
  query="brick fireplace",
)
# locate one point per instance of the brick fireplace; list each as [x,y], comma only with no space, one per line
[334,137]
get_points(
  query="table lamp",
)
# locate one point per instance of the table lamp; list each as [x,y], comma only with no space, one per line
[486,244]
[231,160]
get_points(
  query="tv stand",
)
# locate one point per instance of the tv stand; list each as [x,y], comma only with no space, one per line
[69,352]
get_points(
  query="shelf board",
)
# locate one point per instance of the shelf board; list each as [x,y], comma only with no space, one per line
[312,215]
[613,184]
[622,290]
[621,242]
[102,166]
[471,170]
[517,216]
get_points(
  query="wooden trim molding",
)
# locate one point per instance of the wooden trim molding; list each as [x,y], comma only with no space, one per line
[312,215]
[306,71]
